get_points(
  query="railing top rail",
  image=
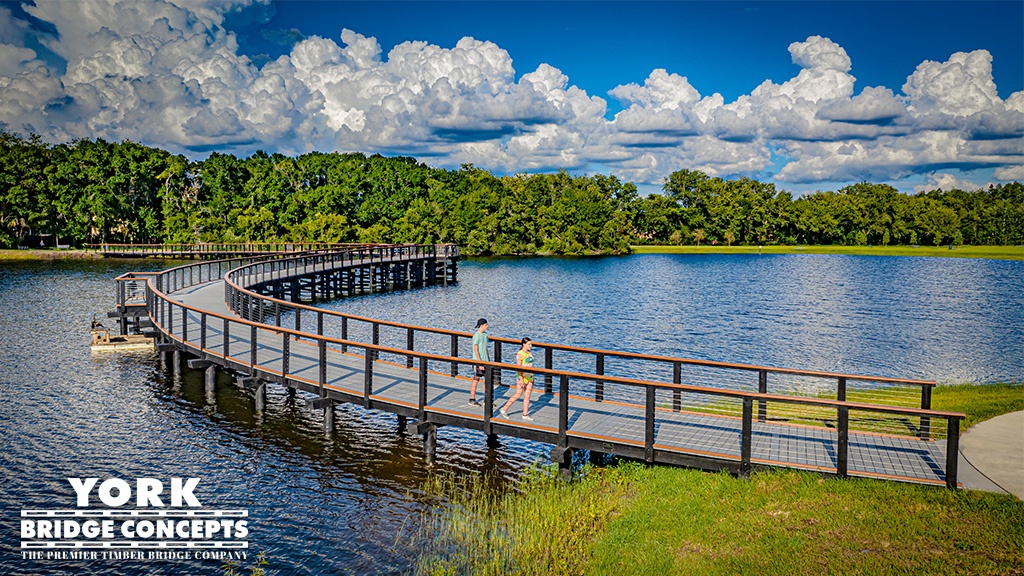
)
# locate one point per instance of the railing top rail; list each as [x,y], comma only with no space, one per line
[569,374]
[568,348]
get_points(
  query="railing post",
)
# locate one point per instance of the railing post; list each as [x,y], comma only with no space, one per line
[376,338]
[409,341]
[843,442]
[952,450]
[202,331]
[252,348]
[227,339]
[286,343]
[924,432]
[762,387]
[319,323]
[298,319]
[548,353]
[488,398]
[368,357]
[746,435]
[649,425]
[321,346]
[423,389]
[497,358]
[344,332]
[184,324]
[455,354]
[677,378]
[563,411]
[599,384]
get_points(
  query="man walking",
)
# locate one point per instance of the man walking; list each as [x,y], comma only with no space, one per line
[480,342]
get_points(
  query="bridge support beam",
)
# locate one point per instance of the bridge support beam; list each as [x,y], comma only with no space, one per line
[329,419]
[562,455]
[403,423]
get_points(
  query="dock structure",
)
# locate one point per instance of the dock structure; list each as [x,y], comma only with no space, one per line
[256,318]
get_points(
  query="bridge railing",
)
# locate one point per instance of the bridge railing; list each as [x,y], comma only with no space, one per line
[239,343]
[215,249]
[249,303]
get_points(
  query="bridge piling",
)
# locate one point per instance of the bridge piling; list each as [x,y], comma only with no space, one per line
[211,380]
[261,397]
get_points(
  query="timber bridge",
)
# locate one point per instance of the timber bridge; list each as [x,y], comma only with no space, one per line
[256,317]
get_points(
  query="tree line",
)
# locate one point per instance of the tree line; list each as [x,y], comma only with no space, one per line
[91,191]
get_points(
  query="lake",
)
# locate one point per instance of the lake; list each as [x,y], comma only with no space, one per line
[350,503]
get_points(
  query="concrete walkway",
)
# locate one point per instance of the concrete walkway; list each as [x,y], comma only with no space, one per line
[992,455]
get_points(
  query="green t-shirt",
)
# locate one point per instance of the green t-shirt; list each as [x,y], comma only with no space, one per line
[480,343]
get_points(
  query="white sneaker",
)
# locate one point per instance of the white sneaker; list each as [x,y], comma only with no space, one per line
[504,414]
[527,418]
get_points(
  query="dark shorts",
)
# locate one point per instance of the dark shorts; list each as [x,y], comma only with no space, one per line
[479,371]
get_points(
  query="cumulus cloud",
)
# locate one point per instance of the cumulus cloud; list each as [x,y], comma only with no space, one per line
[939,181]
[169,73]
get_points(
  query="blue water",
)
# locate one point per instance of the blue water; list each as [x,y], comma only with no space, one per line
[350,503]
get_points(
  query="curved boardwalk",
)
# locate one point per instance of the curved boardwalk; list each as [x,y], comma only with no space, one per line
[247,316]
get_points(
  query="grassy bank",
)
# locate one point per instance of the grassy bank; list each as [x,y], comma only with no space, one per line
[16,255]
[636,519]
[995,252]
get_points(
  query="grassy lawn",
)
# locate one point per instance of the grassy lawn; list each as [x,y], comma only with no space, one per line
[16,255]
[632,519]
[996,252]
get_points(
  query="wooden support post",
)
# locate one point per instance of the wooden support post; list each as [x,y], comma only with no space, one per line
[497,358]
[925,427]
[952,451]
[843,441]
[488,399]
[649,426]
[599,384]
[367,376]
[547,364]
[176,364]
[746,436]
[762,387]
[210,380]
[409,342]
[455,354]
[261,397]
[429,432]
[329,419]
[562,455]
[403,423]
[677,378]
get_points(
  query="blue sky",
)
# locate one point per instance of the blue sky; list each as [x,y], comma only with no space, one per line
[810,95]
[726,47]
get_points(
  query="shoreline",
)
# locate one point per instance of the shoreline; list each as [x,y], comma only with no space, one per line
[985,252]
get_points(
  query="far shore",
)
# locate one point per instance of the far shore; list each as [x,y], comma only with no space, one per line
[993,252]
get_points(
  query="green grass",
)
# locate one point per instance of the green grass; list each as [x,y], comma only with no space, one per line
[995,252]
[631,519]
[978,402]
[18,255]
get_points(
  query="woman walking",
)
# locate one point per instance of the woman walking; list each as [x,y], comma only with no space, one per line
[524,380]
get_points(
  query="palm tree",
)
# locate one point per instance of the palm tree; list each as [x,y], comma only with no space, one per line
[729,237]
[698,235]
